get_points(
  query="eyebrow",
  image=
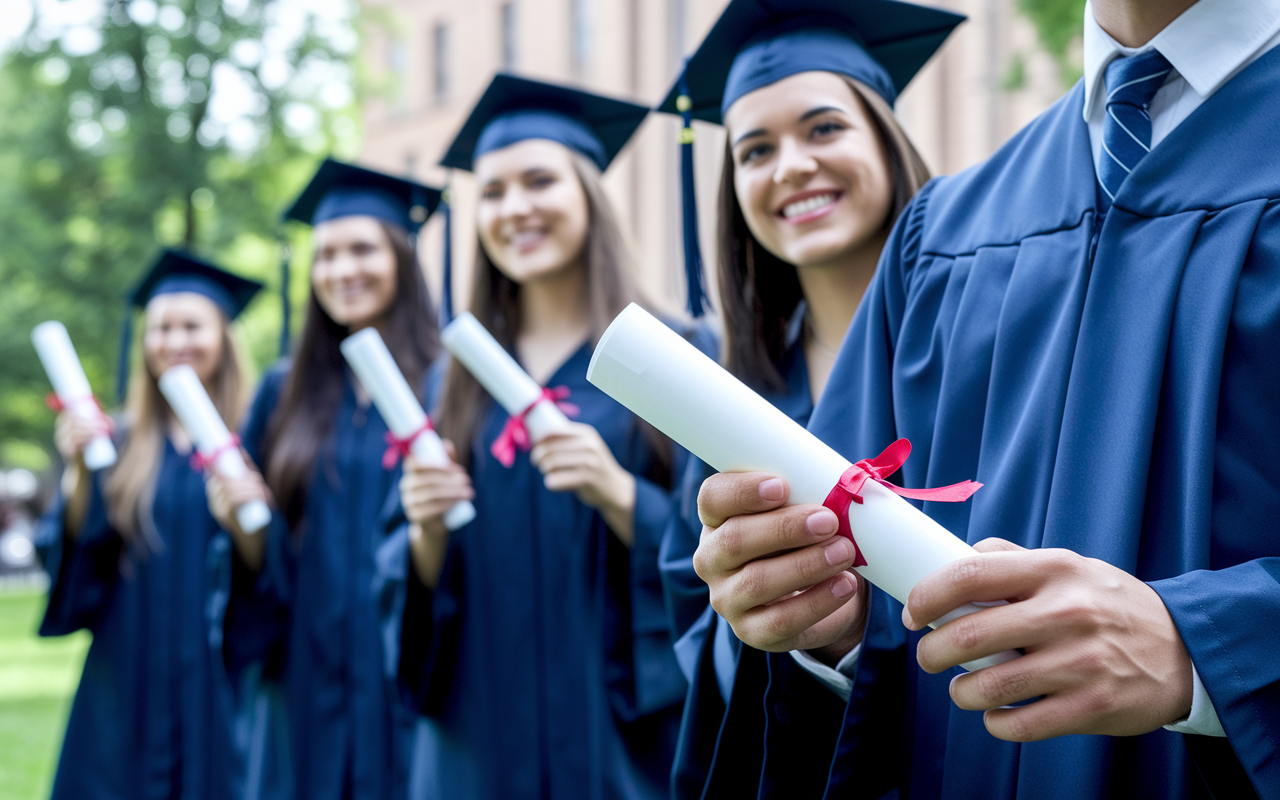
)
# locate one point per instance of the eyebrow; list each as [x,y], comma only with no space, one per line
[810,114]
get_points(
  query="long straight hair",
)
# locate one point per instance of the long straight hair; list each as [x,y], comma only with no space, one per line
[130,485]
[308,406]
[495,302]
[758,290]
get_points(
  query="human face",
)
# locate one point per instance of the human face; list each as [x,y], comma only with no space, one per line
[353,272]
[183,328]
[533,210]
[810,171]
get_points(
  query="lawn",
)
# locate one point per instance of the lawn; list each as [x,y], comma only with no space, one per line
[37,679]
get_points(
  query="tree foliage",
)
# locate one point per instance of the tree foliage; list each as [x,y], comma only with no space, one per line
[161,122]
[1057,24]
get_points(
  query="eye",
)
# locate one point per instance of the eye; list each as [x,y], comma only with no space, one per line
[492,192]
[823,129]
[363,248]
[541,180]
[754,153]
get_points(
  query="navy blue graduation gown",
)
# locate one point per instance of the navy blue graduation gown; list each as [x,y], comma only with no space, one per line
[1114,383]
[313,614]
[542,661]
[153,716]
[705,645]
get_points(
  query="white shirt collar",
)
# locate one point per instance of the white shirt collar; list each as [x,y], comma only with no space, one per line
[1206,45]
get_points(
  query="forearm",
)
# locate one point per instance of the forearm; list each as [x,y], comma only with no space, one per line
[619,513]
[250,546]
[77,487]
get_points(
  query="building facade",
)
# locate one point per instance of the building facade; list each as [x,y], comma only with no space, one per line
[429,60]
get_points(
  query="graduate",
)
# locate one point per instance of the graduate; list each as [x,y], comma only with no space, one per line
[135,558]
[1086,323]
[320,443]
[817,170]
[533,640]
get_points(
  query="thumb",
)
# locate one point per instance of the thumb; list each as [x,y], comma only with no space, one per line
[995,545]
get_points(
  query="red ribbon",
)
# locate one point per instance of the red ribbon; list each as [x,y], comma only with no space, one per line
[515,435]
[55,404]
[398,447]
[203,463]
[848,489]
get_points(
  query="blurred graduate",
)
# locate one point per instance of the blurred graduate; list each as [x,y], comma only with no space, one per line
[135,558]
[1086,323]
[817,170]
[321,443]
[533,639]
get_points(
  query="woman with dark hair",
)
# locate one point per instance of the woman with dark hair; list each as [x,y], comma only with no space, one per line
[321,443]
[533,639]
[135,558]
[816,172]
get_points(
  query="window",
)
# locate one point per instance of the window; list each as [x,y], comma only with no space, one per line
[580,36]
[440,61]
[509,32]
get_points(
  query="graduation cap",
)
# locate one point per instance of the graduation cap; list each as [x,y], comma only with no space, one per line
[514,109]
[755,43]
[173,272]
[340,190]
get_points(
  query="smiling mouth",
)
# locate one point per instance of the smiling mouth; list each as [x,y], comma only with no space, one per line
[526,239]
[808,205]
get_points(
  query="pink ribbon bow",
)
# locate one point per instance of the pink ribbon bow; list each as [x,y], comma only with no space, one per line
[55,404]
[398,448]
[203,463]
[848,489]
[515,435]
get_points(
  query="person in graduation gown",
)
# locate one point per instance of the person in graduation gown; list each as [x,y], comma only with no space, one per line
[533,639]
[321,443]
[1087,324]
[817,170]
[135,558]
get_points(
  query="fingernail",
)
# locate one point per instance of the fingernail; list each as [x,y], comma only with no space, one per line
[821,524]
[839,551]
[908,620]
[771,489]
[843,586]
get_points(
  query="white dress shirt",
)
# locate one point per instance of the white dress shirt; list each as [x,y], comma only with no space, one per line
[1207,46]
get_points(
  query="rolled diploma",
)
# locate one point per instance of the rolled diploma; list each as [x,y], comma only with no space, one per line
[382,379]
[201,421]
[663,379]
[501,376]
[60,361]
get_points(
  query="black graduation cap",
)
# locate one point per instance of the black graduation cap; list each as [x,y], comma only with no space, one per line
[513,109]
[882,43]
[176,271]
[345,190]
[755,43]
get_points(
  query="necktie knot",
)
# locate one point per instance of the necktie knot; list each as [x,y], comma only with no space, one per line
[1126,130]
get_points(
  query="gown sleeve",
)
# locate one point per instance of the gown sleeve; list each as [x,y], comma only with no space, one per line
[83,571]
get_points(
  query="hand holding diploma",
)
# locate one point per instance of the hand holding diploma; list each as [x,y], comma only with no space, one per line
[410,428]
[58,356]
[216,448]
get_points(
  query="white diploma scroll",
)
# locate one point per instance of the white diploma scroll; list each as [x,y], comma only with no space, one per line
[501,376]
[60,361]
[663,379]
[202,422]
[382,379]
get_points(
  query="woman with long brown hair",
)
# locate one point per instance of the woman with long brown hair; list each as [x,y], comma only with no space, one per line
[816,172]
[533,638]
[321,445]
[135,558]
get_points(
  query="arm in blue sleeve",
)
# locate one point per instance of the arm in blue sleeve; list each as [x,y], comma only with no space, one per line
[83,570]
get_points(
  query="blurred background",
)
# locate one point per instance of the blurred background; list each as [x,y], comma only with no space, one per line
[126,125]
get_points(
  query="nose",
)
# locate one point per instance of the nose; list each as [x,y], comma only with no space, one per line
[515,203]
[794,165]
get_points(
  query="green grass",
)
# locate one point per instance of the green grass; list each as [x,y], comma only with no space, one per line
[37,679]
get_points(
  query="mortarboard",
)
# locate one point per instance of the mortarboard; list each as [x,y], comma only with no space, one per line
[513,109]
[754,43]
[175,271]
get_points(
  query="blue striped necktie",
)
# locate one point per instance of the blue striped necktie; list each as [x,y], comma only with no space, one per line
[1126,131]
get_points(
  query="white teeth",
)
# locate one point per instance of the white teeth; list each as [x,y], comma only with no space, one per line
[807,205]
[525,237]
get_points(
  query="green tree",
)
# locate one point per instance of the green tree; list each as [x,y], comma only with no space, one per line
[1057,24]
[160,122]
